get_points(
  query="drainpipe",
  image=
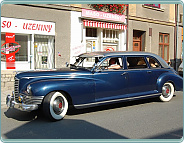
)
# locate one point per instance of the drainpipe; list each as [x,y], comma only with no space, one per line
[176,38]
[127,13]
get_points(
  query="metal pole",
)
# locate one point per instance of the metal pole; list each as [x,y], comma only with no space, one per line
[175,36]
[127,13]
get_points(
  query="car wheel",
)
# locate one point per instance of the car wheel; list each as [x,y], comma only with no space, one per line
[167,92]
[55,106]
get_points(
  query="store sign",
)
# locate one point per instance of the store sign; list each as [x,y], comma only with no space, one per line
[103,15]
[11,48]
[98,24]
[109,49]
[10,37]
[10,57]
[77,50]
[27,26]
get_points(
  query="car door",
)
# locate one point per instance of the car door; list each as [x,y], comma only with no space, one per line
[110,83]
[156,70]
[140,76]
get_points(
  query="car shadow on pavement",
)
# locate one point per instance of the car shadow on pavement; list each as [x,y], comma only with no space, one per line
[21,115]
[40,128]
[74,111]
[169,135]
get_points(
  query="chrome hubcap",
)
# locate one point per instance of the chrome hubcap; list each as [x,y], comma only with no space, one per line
[166,91]
[58,105]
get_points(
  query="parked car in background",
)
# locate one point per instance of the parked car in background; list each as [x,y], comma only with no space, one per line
[95,79]
[180,69]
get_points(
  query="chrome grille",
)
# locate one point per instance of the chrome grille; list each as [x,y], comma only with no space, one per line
[16,89]
[32,99]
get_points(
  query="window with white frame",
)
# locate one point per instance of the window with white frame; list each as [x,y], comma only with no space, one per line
[110,40]
[110,36]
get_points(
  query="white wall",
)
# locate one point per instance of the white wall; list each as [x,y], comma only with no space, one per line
[77,44]
[78,40]
[18,65]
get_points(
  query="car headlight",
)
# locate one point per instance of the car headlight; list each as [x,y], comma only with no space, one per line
[29,89]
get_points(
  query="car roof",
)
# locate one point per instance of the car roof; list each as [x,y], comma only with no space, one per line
[109,53]
[127,53]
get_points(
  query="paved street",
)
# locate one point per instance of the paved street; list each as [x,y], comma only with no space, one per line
[146,119]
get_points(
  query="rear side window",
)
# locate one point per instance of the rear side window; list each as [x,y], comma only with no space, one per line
[136,63]
[153,62]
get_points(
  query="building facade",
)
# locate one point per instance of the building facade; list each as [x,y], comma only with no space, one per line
[152,29]
[43,33]
[93,30]
[48,36]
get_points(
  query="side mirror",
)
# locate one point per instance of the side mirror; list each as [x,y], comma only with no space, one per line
[67,64]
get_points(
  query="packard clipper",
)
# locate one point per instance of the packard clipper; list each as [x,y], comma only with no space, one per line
[95,79]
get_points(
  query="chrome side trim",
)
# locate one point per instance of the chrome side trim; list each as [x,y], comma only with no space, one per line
[94,103]
[61,75]
[32,99]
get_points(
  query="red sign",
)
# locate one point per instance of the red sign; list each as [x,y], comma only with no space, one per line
[102,15]
[10,37]
[10,60]
[10,57]
[109,49]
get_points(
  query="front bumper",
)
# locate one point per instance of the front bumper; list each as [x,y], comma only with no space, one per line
[10,102]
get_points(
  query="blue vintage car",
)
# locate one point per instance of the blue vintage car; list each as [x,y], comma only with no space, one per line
[95,79]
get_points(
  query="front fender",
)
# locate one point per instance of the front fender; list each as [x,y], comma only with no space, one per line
[175,79]
[80,90]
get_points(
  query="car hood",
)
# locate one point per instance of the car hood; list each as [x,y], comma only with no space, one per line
[52,72]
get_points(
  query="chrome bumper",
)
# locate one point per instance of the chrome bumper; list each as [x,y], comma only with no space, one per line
[10,102]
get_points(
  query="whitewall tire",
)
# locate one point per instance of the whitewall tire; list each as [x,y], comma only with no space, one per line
[167,92]
[55,106]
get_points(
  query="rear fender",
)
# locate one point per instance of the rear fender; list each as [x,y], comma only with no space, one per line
[175,79]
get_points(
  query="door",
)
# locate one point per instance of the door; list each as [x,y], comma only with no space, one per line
[44,52]
[110,83]
[140,77]
[137,46]
[138,40]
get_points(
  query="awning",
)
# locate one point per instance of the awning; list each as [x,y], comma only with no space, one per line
[100,24]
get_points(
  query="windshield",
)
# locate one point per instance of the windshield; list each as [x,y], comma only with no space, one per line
[86,62]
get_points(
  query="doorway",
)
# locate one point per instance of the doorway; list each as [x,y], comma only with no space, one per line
[44,52]
[138,40]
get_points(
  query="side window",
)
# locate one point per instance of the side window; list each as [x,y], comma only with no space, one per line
[136,62]
[153,63]
[113,63]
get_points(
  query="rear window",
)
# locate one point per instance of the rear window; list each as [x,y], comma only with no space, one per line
[153,62]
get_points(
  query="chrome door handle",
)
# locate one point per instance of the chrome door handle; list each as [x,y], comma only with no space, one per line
[148,71]
[124,73]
